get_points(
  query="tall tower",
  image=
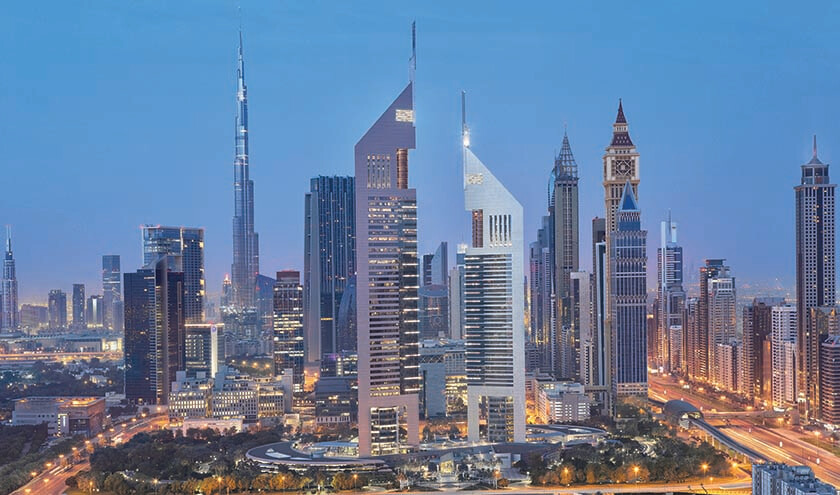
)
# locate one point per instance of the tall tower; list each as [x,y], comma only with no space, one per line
[329,262]
[246,257]
[495,306]
[9,318]
[112,292]
[184,249]
[565,246]
[387,281]
[628,299]
[288,326]
[79,307]
[670,298]
[621,167]
[815,271]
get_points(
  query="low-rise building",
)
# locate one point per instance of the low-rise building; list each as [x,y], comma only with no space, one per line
[561,402]
[64,416]
[781,479]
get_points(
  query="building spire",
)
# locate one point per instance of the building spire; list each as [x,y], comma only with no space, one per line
[619,119]
[465,131]
[412,62]
[814,159]
[565,165]
[815,145]
[8,238]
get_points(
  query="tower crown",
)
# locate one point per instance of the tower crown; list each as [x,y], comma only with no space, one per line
[621,134]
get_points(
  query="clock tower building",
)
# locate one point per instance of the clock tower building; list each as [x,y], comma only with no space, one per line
[621,164]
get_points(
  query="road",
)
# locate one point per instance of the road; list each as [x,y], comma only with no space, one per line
[53,480]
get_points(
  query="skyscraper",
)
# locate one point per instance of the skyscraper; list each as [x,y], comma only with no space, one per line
[94,313]
[246,251]
[288,326]
[436,265]
[387,281]
[703,343]
[495,304]
[155,331]
[830,380]
[457,311]
[542,310]
[565,246]
[329,261]
[757,325]
[815,270]
[112,292]
[600,336]
[670,298]
[184,249]
[79,307]
[783,345]
[722,320]
[9,317]
[57,308]
[628,299]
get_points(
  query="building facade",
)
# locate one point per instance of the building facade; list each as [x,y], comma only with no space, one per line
[184,248]
[387,283]
[783,348]
[246,246]
[288,326]
[815,270]
[722,320]
[757,324]
[57,307]
[329,262]
[9,317]
[112,292]
[78,305]
[670,299]
[830,380]
[495,306]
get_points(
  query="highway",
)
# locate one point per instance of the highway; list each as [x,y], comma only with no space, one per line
[53,480]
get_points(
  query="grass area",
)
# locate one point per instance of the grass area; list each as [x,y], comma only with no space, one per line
[816,442]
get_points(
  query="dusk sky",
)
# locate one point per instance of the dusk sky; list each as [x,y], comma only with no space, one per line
[117,114]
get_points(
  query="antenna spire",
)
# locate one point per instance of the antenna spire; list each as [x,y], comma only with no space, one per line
[412,62]
[465,130]
[8,238]
[815,145]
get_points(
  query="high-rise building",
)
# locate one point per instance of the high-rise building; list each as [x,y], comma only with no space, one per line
[329,262]
[264,301]
[564,246]
[57,304]
[694,358]
[184,249]
[830,380]
[155,332]
[621,165]
[203,348]
[94,314]
[79,307]
[702,345]
[815,271]
[823,323]
[495,304]
[721,317]
[628,298]
[387,282]
[33,317]
[457,311]
[433,321]
[542,310]
[288,326]
[9,317]
[670,298]
[112,292]
[783,348]
[757,324]
[600,307]
[436,265]
[582,316]
[246,251]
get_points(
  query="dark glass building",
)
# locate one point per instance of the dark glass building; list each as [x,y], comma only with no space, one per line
[184,249]
[112,292]
[288,326]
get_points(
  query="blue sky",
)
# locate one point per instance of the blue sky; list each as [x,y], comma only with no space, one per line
[117,114]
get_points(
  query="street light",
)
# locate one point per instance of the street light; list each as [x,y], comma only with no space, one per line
[355,478]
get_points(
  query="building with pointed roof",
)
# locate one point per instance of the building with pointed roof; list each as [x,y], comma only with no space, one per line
[815,273]
[9,318]
[628,298]
[387,283]
[495,307]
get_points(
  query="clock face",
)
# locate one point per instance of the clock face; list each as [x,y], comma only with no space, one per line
[623,167]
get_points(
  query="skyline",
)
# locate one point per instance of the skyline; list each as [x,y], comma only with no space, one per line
[52,255]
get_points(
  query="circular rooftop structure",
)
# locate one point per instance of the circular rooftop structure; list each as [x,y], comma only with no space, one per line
[284,454]
[680,409]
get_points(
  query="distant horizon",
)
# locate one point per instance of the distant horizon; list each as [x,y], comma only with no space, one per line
[125,116]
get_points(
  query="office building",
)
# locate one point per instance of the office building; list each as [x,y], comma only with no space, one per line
[246,251]
[703,351]
[628,299]
[264,301]
[33,317]
[436,266]
[64,416]
[457,312]
[780,479]
[94,314]
[184,248]
[57,304]
[78,304]
[830,380]
[228,395]
[336,401]
[815,270]
[783,348]
[581,308]
[694,357]
[562,402]
[387,283]
[112,292]
[329,263]
[564,245]
[670,299]
[288,326]
[495,305]
[9,317]
[757,324]
[154,331]
[722,320]
[600,336]
[541,288]
[203,348]
[824,323]
[434,312]
[443,389]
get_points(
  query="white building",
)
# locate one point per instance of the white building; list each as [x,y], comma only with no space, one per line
[229,396]
[781,479]
[495,306]
[783,351]
[561,402]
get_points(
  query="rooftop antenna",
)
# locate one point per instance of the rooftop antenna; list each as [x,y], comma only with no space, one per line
[9,238]
[815,145]
[465,131]
[412,62]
